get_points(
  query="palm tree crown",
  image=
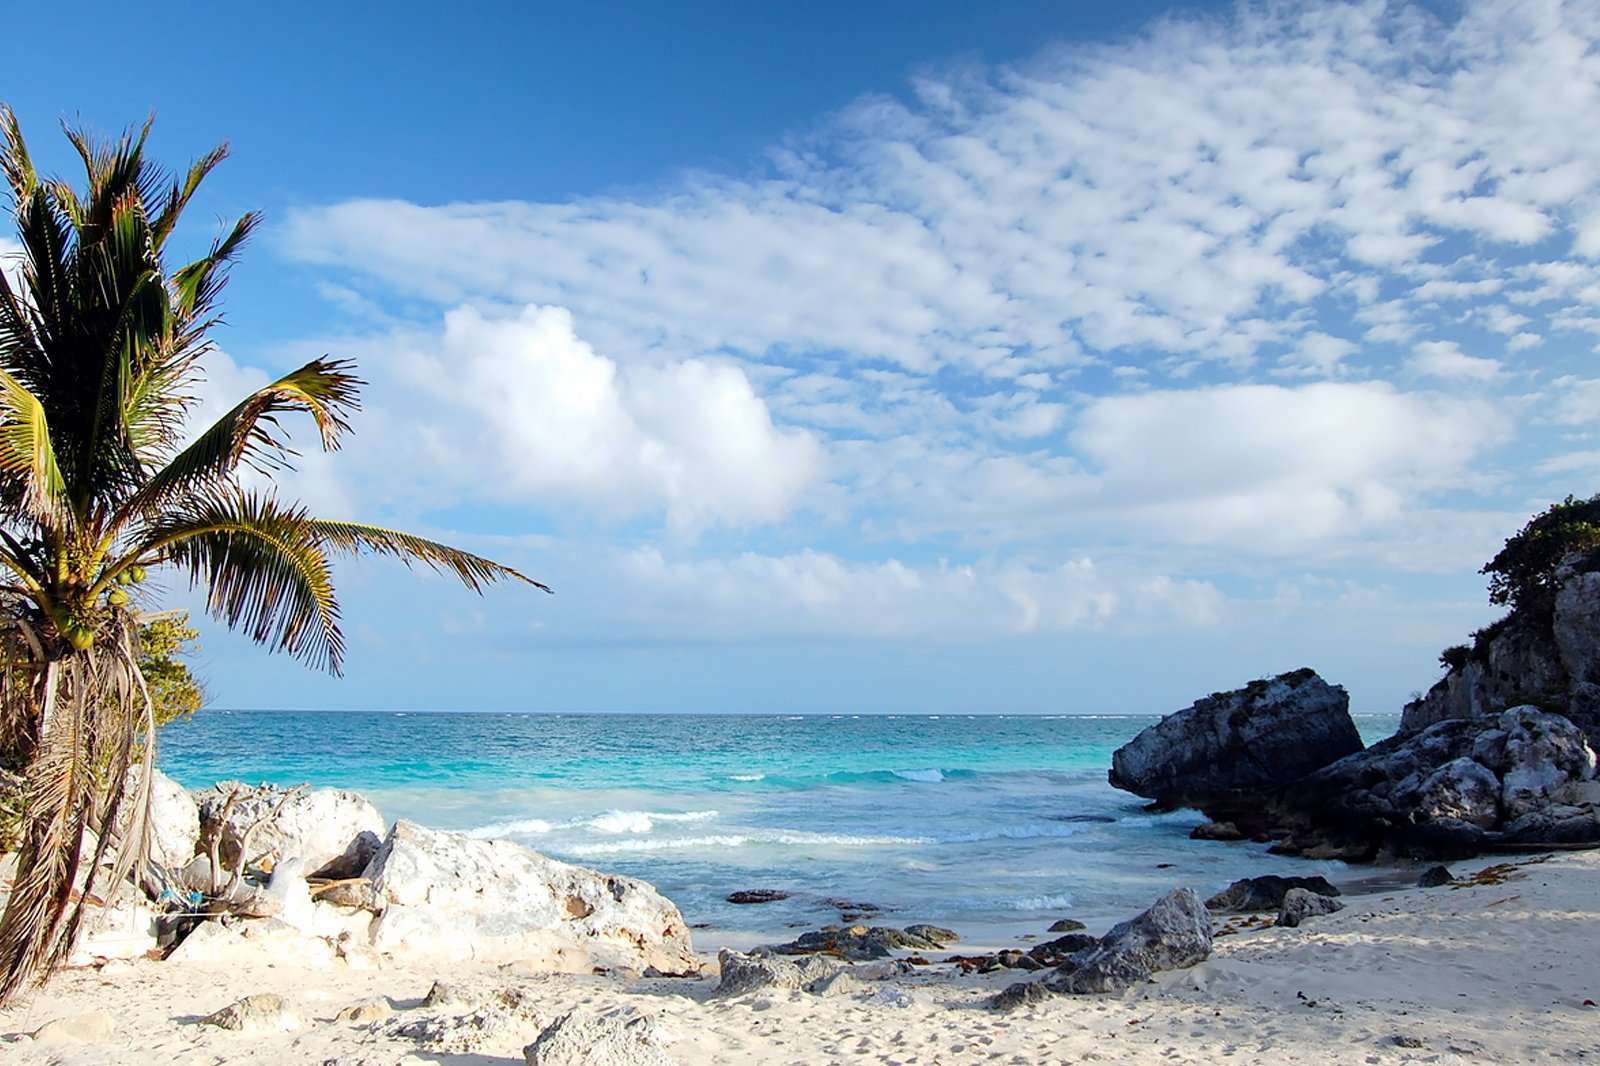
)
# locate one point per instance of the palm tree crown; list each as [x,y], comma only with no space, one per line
[99,344]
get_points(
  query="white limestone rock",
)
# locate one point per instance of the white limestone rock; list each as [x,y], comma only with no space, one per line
[623,1037]
[449,897]
[260,1013]
[1544,753]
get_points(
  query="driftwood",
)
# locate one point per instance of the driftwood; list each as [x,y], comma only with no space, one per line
[223,896]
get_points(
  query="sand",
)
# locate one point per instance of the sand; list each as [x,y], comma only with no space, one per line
[1503,971]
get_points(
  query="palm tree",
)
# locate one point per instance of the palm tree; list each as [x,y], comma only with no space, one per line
[98,342]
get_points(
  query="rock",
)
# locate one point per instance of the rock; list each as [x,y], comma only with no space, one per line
[1266,893]
[1216,831]
[260,1013]
[507,1015]
[843,983]
[250,940]
[1054,952]
[934,934]
[1066,925]
[94,1028]
[333,832]
[1300,904]
[1174,933]
[1435,877]
[1257,738]
[1463,789]
[1020,995]
[443,995]
[622,1037]
[1449,791]
[1543,754]
[450,897]
[757,895]
[860,942]
[742,974]
[366,1012]
[174,829]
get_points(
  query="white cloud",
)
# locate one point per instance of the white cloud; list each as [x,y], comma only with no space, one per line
[519,408]
[1446,360]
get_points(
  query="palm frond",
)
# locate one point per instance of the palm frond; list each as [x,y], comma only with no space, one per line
[27,458]
[324,388]
[263,568]
[473,570]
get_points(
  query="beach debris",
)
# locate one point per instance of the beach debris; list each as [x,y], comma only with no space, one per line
[757,895]
[335,832]
[1262,736]
[626,1036]
[1435,877]
[1300,904]
[93,1028]
[1066,925]
[1266,893]
[742,974]
[1174,933]
[264,1012]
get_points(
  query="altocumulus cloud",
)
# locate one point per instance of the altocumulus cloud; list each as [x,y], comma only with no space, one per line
[1276,286]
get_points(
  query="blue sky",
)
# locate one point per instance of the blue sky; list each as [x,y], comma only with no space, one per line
[889,356]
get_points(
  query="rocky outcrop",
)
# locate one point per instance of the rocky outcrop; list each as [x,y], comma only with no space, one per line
[333,832]
[1172,934]
[1548,656]
[1458,787]
[448,896]
[1231,746]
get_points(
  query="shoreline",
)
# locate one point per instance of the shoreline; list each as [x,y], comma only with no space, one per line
[1499,969]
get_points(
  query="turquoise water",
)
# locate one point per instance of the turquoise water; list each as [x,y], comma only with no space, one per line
[991,825]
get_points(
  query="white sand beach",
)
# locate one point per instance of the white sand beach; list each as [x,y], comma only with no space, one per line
[1504,971]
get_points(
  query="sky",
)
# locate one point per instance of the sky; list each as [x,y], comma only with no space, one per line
[886,356]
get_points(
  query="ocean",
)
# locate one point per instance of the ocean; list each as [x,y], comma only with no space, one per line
[991,825]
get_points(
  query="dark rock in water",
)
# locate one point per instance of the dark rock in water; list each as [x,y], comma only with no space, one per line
[1255,739]
[1300,904]
[1435,877]
[1065,925]
[757,895]
[1174,933]
[1266,893]
[1098,819]
[1022,994]
[1216,831]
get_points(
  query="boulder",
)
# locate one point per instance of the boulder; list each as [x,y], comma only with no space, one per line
[1233,745]
[333,832]
[1451,790]
[449,897]
[623,1037]
[473,1022]
[757,895]
[1172,934]
[860,942]
[1021,995]
[1436,877]
[1254,894]
[742,974]
[1300,904]
[95,1028]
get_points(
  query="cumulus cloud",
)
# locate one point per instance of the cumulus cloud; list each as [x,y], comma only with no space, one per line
[1445,359]
[519,408]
